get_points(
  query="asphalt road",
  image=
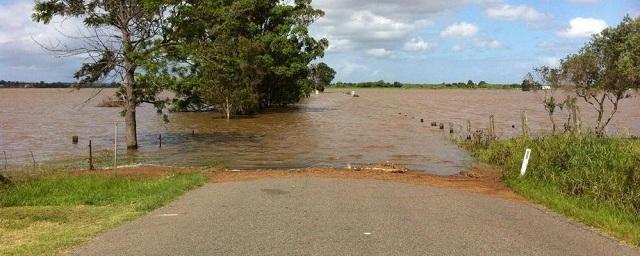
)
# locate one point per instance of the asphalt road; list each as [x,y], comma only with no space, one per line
[323,216]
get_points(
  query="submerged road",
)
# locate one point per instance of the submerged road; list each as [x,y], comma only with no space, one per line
[324,216]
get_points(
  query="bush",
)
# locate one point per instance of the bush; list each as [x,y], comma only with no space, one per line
[605,170]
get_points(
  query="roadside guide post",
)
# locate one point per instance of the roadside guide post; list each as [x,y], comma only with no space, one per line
[525,162]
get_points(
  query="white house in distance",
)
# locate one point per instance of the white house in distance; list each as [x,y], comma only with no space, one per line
[545,87]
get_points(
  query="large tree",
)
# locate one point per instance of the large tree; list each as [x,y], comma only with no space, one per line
[604,70]
[243,55]
[122,43]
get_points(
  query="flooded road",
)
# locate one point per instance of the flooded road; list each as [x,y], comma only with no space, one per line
[330,129]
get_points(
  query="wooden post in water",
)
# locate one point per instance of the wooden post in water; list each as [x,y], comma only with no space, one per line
[492,128]
[160,140]
[115,148]
[90,156]
[74,139]
[468,129]
[525,124]
[5,159]
[33,159]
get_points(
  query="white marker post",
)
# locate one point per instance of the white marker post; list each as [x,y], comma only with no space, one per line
[115,148]
[525,162]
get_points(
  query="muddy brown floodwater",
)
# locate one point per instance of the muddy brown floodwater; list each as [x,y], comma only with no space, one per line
[326,130]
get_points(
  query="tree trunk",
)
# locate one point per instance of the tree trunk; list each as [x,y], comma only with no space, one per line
[553,123]
[129,87]
[130,115]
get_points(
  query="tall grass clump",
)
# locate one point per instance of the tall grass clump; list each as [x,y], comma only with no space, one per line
[601,169]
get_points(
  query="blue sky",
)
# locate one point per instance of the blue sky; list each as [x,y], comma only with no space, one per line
[402,40]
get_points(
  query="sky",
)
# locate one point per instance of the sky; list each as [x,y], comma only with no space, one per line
[412,41]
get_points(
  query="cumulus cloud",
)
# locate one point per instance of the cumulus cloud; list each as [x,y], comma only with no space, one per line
[583,27]
[515,12]
[418,44]
[460,30]
[379,52]
[387,24]
[21,40]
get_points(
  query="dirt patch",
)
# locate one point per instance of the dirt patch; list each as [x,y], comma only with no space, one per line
[480,179]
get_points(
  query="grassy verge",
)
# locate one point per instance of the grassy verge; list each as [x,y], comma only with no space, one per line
[593,180]
[47,215]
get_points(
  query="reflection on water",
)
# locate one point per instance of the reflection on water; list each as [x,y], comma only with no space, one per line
[330,129]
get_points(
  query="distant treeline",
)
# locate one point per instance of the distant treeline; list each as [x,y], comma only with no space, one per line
[382,84]
[43,84]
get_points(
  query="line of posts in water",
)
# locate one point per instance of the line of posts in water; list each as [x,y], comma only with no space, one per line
[491,130]
[75,140]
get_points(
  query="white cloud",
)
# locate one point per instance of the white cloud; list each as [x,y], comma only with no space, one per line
[583,27]
[349,68]
[418,44]
[457,48]
[493,44]
[519,12]
[460,30]
[385,24]
[379,52]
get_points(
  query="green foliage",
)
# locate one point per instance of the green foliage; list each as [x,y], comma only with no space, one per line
[604,70]
[239,56]
[322,75]
[53,213]
[68,190]
[125,44]
[600,169]
[595,180]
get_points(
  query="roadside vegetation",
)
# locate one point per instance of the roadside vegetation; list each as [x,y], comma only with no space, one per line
[593,180]
[580,171]
[46,215]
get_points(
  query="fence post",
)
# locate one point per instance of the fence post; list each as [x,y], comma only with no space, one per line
[33,159]
[115,148]
[576,120]
[160,140]
[525,124]
[90,156]
[5,159]
[468,129]
[492,128]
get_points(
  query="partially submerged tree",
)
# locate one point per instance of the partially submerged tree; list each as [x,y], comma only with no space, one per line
[322,75]
[550,77]
[605,69]
[527,82]
[244,55]
[122,40]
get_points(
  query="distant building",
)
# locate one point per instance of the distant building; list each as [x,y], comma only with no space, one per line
[545,87]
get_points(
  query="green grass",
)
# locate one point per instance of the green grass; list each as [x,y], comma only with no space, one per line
[593,180]
[47,215]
